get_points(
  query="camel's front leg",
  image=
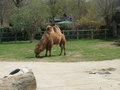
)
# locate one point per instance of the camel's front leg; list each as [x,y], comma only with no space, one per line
[46,53]
[64,49]
[36,55]
[50,53]
[61,49]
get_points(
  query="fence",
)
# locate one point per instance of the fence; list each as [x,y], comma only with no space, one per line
[69,34]
[91,34]
[10,36]
[80,34]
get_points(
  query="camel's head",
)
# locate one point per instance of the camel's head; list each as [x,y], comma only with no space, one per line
[38,50]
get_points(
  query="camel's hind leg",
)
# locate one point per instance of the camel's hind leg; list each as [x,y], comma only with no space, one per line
[61,49]
[64,49]
[62,46]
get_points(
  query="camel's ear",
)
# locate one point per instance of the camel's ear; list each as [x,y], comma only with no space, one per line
[17,2]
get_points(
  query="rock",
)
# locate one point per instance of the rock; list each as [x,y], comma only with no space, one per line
[19,79]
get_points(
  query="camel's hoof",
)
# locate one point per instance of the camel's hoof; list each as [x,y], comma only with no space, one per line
[45,55]
[49,56]
[38,56]
[60,54]
[65,54]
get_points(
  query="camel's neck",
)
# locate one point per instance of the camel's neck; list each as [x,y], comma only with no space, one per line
[43,44]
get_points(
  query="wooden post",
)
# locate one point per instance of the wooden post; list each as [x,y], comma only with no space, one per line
[15,37]
[115,28]
[19,79]
[105,34]
[0,35]
[92,34]
[77,34]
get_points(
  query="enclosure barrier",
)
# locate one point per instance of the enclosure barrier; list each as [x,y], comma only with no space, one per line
[69,34]
[90,34]
[84,34]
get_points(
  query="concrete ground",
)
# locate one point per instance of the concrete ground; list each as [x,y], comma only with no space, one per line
[101,75]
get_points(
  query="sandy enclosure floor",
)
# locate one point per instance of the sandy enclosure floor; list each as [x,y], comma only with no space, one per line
[71,76]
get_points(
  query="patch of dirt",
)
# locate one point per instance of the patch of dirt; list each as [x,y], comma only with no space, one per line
[105,75]
[75,54]
[116,43]
[104,45]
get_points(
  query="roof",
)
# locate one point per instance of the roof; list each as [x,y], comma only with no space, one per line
[65,22]
[118,9]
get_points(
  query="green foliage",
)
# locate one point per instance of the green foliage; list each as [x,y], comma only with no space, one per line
[91,19]
[74,8]
[30,14]
[87,13]
[55,9]
[65,27]
[78,8]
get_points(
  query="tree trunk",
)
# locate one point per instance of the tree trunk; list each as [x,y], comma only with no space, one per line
[24,81]
[2,12]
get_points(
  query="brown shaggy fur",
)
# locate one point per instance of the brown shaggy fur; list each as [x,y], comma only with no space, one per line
[51,36]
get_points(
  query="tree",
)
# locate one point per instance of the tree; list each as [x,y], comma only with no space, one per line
[78,8]
[105,8]
[75,9]
[5,8]
[19,3]
[54,8]
[90,19]
[29,15]
[2,11]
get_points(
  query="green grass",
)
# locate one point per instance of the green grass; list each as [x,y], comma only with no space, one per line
[78,50]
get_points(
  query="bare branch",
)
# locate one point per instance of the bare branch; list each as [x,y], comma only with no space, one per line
[17,2]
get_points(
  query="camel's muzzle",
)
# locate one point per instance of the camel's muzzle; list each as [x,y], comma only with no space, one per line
[37,55]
